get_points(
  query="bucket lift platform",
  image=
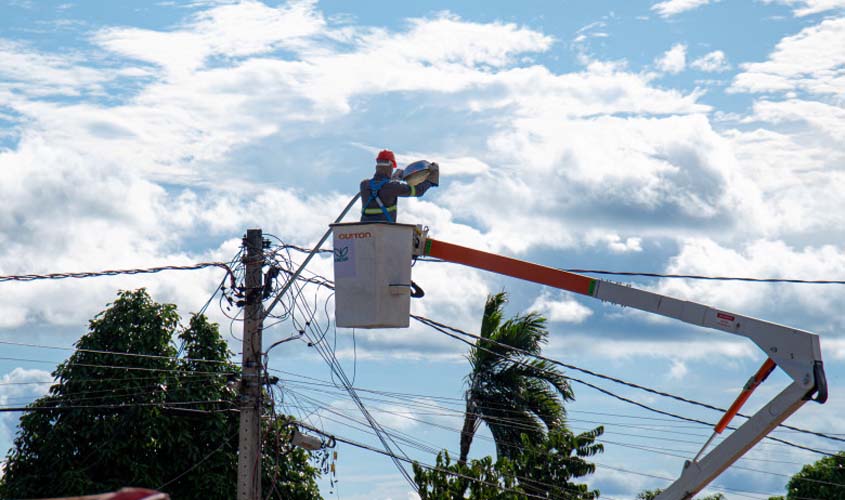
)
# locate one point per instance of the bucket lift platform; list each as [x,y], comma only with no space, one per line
[372,274]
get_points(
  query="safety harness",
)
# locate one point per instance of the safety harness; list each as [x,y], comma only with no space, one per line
[375,186]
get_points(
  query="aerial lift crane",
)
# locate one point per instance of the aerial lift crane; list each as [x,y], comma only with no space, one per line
[372,264]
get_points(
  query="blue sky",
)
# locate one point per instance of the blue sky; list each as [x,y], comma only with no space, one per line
[685,136]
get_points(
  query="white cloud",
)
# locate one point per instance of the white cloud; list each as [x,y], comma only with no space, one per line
[711,62]
[834,348]
[671,8]
[244,29]
[798,305]
[799,190]
[679,370]
[811,60]
[18,388]
[615,243]
[394,417]
[628,170]
[556,145]
[717,347]
[809,7]
[35,74]
[560,308]
[821,118]
[673,60]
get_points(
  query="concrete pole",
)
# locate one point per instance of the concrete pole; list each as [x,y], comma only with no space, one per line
[249,448]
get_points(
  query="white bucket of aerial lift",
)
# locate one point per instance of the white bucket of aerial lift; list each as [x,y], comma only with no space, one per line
[372,274]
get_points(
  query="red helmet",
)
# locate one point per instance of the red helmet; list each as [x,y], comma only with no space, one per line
[386,157]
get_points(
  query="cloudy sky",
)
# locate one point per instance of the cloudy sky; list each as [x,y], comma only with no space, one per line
[682,136]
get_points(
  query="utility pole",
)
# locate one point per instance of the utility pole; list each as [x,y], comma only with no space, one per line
[249,448]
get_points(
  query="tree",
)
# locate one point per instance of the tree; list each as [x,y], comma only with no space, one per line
[510,392]
[822,479]
[147,417]
[542,469]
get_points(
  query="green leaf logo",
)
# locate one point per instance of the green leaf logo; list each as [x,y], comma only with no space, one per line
[341,254]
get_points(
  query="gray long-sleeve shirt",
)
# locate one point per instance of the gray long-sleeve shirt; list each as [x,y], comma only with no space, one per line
[389,194]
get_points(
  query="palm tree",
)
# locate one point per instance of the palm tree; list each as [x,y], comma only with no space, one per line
[510,391]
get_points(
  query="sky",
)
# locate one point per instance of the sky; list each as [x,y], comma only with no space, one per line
[681,136]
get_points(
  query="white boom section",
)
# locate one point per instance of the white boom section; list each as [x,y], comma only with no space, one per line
[797,352]
[697,475]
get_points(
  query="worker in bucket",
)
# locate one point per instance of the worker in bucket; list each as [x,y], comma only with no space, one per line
[380,195]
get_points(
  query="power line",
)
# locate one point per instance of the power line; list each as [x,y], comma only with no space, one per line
[436,326]
[677,276]
[446,411]
[109,406]
[452,412]
[116,272]
[115,353]
[439,326]
[432,467]
[646,274]
[328,283]
[337,370]
[200,462]
[662,451]
[114,392]
[131,368]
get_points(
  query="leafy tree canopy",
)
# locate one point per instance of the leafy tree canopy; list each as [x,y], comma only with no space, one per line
[546,469]
[162,420]
[510,391]
[822,479]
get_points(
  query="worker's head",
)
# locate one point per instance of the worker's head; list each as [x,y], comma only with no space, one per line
[385,162]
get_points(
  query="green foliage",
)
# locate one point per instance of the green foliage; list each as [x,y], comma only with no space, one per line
[512,393]
[546,469]
[822,479]
[652,494]
[112,420]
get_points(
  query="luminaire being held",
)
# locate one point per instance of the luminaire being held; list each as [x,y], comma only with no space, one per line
[417,172]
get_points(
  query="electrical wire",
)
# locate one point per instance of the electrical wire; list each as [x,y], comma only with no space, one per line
[108,406]
[200,462]
[440,327]
[290,295]
[661,451]
[357,444]
[677,276]
[114,367]
[337,370]
[595,387]
[327,283]
[116,272]
[828,436]
[115,353]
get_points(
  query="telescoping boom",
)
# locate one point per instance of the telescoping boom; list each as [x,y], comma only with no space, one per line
[796,352]
[372,267]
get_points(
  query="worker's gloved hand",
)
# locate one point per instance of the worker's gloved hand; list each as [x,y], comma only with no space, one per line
[398,173]
[434,176]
